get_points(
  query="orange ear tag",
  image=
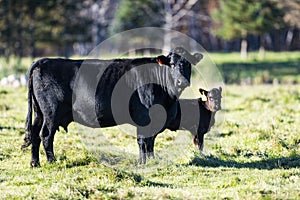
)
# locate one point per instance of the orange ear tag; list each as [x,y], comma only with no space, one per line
[160,62]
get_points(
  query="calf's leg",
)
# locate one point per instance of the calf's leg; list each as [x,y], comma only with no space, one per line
[142,149]
[198,141]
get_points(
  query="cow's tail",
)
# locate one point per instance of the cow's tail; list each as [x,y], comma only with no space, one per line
[28,124]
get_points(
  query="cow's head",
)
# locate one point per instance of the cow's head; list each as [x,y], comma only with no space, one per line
[180,62]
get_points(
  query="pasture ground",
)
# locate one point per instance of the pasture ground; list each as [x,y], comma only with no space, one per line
[254,154]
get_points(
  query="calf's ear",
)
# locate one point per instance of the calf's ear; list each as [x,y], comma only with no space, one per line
[203,94]
[220,88]
[163,60]
[202,91]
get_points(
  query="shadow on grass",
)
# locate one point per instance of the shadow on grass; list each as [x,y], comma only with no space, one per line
[269,164]
[156,184]
[8,128]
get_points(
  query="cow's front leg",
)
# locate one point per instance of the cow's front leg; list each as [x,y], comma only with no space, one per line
[142,148]
[150,146]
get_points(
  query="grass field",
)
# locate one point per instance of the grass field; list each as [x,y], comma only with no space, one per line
[253,154]
[282,66]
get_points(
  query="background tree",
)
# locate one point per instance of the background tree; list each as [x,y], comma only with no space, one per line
[269,17]
[134,14]
[57,22]
[65,27]
[238,18]
[291,17]
[168,14]
[62,23]
[174,11]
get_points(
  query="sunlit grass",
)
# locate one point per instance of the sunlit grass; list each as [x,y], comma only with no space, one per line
[235,57]
[253,155]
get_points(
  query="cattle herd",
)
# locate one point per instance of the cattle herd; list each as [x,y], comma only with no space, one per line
[143,92]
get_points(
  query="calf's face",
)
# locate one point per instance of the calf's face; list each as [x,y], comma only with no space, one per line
[212,98]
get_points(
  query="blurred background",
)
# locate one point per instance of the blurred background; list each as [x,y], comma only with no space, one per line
[243,29]
[252,152]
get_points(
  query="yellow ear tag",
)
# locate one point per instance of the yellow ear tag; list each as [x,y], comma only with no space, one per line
[203,97]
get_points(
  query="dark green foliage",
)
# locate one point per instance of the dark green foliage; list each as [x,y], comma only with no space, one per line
[237,18]
[135,14]
[58,22]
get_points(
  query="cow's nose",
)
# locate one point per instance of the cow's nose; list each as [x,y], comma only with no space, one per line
[179,82]
[182,83]
[218,107]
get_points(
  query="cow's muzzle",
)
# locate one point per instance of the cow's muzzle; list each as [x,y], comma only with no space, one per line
[182,83]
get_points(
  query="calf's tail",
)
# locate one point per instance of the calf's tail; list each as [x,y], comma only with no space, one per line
[28,125]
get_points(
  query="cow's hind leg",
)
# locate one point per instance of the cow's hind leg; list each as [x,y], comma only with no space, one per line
[47,135]
[35,142]
[49,107]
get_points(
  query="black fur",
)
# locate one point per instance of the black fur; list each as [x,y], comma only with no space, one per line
[194,115]
[59,96]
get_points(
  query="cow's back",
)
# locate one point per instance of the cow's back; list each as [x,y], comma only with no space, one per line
[55,77]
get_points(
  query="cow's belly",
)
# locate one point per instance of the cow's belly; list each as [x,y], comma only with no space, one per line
[87,115]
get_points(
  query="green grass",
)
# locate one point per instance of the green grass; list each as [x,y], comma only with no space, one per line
[254,57]
[282,66]
[14,66]
[254,154]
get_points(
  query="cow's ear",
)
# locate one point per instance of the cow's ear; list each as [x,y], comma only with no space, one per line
[203,94]
[220,88]
[197,58]
[163,60]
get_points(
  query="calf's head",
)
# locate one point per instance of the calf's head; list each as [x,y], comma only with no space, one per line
[211,99]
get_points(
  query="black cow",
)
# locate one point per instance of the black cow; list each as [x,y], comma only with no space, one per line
[104,93]
[194,115]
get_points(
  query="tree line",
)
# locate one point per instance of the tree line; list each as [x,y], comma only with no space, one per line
[66,27]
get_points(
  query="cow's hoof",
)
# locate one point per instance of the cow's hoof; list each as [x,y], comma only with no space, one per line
[142,161]
[150,155]
[51,159]
[34,164]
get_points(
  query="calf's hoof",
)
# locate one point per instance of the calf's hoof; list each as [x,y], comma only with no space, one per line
[142,160]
